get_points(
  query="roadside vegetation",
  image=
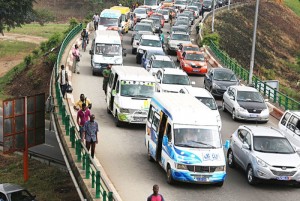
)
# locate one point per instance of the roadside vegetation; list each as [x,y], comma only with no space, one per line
[10,48]
[293,5]
[277,53]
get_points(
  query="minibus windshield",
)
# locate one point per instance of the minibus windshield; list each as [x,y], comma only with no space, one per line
[197,137]
[137,89]
[108,49]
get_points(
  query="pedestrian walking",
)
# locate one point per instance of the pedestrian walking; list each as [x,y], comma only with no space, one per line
[171,18]
[155,196]
[162,38]
[83,115]
[90,134]
[106,73]
[96,19]
[76,59]
[63,80]
[85,39]
[82,99]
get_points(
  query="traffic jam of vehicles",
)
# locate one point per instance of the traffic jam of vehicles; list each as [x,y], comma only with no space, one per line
[183,122]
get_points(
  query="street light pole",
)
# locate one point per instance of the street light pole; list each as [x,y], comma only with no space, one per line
[213,18]
[229,5]
[253,43]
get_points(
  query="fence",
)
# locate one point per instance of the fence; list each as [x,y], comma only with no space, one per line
[91,170]
[276,96]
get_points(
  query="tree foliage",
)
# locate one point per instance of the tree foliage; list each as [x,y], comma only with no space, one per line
[13,13]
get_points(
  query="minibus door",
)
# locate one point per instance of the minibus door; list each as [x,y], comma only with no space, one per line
[112,94]
[162,127]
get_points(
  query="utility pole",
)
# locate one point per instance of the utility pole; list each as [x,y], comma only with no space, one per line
[253,43]
[213,17]
[229,5]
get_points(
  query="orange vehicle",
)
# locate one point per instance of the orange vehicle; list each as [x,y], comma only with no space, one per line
[149,10]
[167,3]
[193,62]
[186,47]
[161,17]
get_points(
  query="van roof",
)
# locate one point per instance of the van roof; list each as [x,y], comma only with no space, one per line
[124,10]
[198,92]
[133,73]
[173,71]
[150,37]
[296,112]
[110,13]
[107,36]
[184,109]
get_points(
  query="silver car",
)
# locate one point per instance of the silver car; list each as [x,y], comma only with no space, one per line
[265,154]
[245,103]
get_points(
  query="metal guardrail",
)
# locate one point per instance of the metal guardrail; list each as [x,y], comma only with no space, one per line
[92,172]
[276,96]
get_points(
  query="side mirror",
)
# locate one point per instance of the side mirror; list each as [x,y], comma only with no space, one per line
[153,73]
[192,40]
[245,146]
[231,97]
[297,149]
[193,82]
[113,93]
[91,52]
[165,141]
[137,43]
[227,144]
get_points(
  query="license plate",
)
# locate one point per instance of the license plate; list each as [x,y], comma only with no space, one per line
[203,179]
[283,178]
[139,119]
[253,115]
[195,70]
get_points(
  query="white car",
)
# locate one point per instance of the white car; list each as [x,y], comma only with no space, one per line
[290,124]
[206,98]
[165,13]
[245,103]
[175,39]
[170,80]
[157,62]
[140,13]
[137,38]
[149,21]
[147,42]
[181,4]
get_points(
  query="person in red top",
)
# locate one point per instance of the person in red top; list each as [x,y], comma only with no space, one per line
[83,116]
[155,196]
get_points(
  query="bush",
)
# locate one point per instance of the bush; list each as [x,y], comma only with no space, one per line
[72,23]
[53,42]
[43,15]
[51,58]
[214,37]
[28,60]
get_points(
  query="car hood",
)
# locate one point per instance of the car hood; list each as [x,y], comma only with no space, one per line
[149,48]
[252,105]
[225,84]
[196,63]
[141,15]
[177,42]
[136,103]
[173,88]
[274,159]
[108,60]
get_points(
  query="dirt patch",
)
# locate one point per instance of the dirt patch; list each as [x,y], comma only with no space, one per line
[8,63]
[24,38]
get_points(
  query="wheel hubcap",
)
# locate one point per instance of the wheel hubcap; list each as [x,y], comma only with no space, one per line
[230,157]
[250,176]
[233,115]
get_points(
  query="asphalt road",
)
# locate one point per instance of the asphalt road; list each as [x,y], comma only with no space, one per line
[123,155]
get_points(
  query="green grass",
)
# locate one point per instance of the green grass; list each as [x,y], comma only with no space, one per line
[294,5]
[37,30]
[11,47]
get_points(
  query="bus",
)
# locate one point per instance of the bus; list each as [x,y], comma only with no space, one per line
[110,18]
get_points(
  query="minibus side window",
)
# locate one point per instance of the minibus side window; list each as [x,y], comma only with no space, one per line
[169,132]
[111,78]
[285,118]
[156,121]
[293,125]
[150,114]
[118,87]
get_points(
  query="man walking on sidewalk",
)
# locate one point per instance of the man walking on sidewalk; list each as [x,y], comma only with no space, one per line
[155,196]
[90,134]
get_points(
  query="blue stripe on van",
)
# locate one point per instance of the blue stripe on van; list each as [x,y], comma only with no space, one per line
[162,108]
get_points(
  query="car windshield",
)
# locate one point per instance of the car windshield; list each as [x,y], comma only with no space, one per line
[181,37]
[272,145]
[181,29]
[139,35]
[190,48]
[176,79]
[151,43]
[140,11]
[224,76]
[207,3]
[143,27]
[209,102]
[150,2]
[181,22]
[155,20]
[194,57]
[249,96]
[164,12]
[137,89]
[108,21]
[108,49]
[180,2]
[197,137]
[163,64]
[193,8]
[22,195]
[149,54]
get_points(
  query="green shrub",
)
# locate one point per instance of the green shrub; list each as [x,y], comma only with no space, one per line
[53,42]
[51,58]
[28,60]
[214,37]
[43,15]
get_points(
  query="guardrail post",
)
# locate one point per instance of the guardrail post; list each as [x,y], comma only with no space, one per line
[78,148]
[93,179]
[269,94]
[279,101]
[87,167]
[255,82]
[265,88]
[72,136]
[104,195]
[63,113]
[98,183]
[275,96]
[84,156]
[110,196]
[286,104]
[67,124]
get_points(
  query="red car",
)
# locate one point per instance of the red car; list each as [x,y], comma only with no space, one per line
[193,62]
[186,47]
[161,17]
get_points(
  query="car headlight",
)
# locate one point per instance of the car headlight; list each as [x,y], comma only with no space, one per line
[220,168]
[181,166]
[216,86]
[141,51]
[124,110]
[261,162]
[241,109]
[265,111]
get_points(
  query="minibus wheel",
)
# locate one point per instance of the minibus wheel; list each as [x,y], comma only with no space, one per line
[149,155]
[170,179]
[117,121]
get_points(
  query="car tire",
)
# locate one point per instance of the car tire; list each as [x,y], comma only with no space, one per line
[233,115]
[133,51]
[219,184]
[170,179]
[117,121]
[108,111]
[252,180]
[223,106]
[150,158]
[210,90]
[230,159]
[297,185]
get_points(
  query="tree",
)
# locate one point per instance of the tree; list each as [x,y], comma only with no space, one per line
[13,13]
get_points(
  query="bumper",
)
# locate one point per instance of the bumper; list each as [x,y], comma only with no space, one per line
[196,71]
[252,116]
[200,178]
[98,70]
[277,174]
[218,92]
[132,118]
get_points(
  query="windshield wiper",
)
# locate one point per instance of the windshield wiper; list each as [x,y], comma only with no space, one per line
[204,144]
[184,145]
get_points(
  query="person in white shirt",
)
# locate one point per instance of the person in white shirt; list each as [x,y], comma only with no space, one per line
[63,80]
